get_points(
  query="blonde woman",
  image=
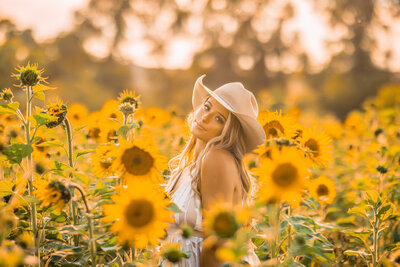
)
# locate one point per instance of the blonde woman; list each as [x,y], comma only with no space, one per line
[210,167]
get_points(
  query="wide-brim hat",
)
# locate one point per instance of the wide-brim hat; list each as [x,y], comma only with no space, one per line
[238,100]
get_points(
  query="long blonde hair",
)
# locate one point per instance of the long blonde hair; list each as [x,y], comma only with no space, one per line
[231,139]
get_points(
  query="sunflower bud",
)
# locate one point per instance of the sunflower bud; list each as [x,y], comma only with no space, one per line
[60,187]
[6,94]
[58,110]
[381,169]
[225,224]
[29,75]
[173,254]
[53,193]
[129,103]
[126,109]
[187,231]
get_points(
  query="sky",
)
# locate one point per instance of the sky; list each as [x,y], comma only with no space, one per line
[48,18]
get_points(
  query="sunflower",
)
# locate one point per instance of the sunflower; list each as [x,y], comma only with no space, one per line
[29,75]
[6,94]
[108,132]
[332,127]
[323,189]
[283,175]
[12,255]
[110,109]
[172,252]
[154,116]
[318,146]
[53,193]
[355,124]
[139,213]
[101,161]
[95,127]
[77,114]
[221,221]
[276,125]
[263,151]
[395,257]
[57,109]
[139,158]
[129,97]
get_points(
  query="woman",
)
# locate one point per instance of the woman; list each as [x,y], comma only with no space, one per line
[210,168]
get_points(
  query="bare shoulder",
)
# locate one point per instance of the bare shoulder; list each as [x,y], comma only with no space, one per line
[218,158]
[219,177]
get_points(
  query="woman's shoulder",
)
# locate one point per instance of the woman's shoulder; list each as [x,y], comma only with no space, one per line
[218,157]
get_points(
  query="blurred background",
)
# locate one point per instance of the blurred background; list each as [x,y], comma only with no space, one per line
[328,56]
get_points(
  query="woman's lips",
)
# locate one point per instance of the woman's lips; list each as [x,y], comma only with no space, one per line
[199,125]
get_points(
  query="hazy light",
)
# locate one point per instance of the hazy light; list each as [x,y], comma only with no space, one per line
[47,18]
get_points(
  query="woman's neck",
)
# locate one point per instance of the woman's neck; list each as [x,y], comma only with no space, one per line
[198,148]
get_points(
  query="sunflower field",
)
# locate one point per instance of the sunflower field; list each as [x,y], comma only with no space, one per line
[80,188]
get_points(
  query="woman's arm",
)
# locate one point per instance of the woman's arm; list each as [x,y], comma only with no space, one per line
[219,174]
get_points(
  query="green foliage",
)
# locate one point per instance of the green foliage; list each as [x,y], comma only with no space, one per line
[16,152]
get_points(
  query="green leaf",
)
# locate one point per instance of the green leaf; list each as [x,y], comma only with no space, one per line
[109,247]
[6,188]
[392,247]
[16,152]
[362,254]
[386,211]
[41,88]
[124,129]
[358,211]
[77,129]
[363,236]
[173,207]
[348,221]
[41,119]
[39,95]
[51,143]
[81,177]
[83,152]
[9,108]
[36,139]
[60,166]
[372,197]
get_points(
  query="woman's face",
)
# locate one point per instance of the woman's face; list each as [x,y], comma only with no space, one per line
[209,120]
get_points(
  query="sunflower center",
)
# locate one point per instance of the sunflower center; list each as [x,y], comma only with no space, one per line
[322,190]
[397,259]
[105,165]
[312,144]
[225,224]
[111,135]
[285,175]
[137,161]
[95,132]
[54,195]
[271,128]
[76,116]
[139,213]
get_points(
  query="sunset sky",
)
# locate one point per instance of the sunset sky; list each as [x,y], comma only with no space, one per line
[48,18]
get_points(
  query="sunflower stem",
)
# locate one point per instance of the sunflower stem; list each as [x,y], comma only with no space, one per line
[90,225]
[69,136]
[73,206]
[29,160]
[274,212]
[125,118]
[375,239]
[289,229]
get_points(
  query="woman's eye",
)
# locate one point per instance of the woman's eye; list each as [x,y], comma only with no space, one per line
[219,119]
[206,107]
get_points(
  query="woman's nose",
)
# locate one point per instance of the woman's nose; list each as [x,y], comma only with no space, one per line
[204,117]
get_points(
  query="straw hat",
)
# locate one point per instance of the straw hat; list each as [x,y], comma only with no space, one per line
[238,100]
